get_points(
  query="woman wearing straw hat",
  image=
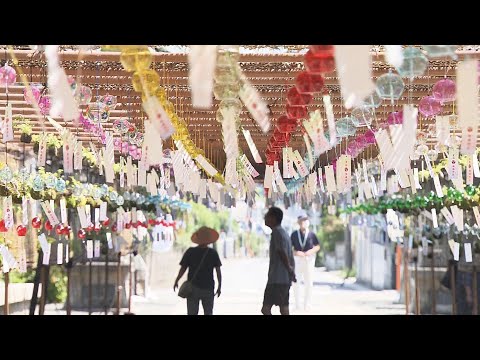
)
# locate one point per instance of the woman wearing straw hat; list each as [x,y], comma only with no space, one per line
[200,261]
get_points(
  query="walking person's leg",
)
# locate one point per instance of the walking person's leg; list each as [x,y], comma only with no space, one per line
[284,293]
[268,300]
[207,302]
[299,271]
[193,303]
[308,280]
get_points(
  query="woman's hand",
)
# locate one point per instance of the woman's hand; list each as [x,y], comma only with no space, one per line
[219,291]
[175,286]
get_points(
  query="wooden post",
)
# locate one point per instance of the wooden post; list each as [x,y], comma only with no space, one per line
[6,307]
[43,300]
[453,288]
[475,293]
[130,279]
[69,274]
[417,294]
[106,285]
[36,283]
[434,291]
[90,287]
[119,287]
[406,280]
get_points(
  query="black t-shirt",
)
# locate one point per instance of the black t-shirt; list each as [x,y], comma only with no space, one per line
[310,242]
[193,257]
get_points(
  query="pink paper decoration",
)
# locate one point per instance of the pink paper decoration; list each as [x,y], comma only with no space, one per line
[8,75]
[44,103]
[429,106]
[35,92]
[395,118]
[444,91]
[369,137]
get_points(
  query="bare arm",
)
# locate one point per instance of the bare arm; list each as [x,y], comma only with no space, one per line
[313,250]
[180,274]
[284,259]
[219,280]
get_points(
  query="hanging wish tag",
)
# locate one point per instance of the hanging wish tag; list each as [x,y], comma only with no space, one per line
[89,249]
[7,129]
[158,117]
[468,252]
[456,251]
[78,156]
[24,210]
[109,240]
[251,145]
[88,213]
[453,165]
[46,254]
[22,261]
[83,217]
[59,253]
[330,119]
[42,151]
[383,180]
[469,170]
[97,217]
[63,211]
[438,187]
[255,105]
[477,215]
[49,213]
[367,190]
[330,178]
[434,218]
[416,179]
[448,216]
[201,63]
[476,169]
[8,212]
[97,249]
[267,181]
[67,253]
[103,211]
[320,179]
[300,164]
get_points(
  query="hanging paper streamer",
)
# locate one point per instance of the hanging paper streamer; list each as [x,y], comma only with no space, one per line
[330,118]
[467,101]
[108,158]
[7,129]
[344,173]
[253,102]
[206,165]
[314,128]
[267,181]
[353,66]
[309,151]
[394,55]
[442,127]
[158,117]
[201,63]
[63,100]
[252,147]
[330,178]
[320,180]
[248,166]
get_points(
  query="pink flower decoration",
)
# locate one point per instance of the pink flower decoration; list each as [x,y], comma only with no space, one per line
[8,75]
[44,104]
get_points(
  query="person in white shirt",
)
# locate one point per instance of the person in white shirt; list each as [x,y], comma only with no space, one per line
[305,245]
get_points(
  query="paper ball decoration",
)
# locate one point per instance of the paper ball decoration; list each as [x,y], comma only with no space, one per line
[345,127]
[395,118]
[6,175]
[35,94]
[8,75]
[432,154]
[108,100]
[352,149]
[372,100]
[319,63]
[414,63]
[38,183]
[50,181]
[60,185]
[441,50]
[97,112]
[444,91]
[361,141]
[83,94]
[390,86]
[369,136]
[429,106]
[362,116]
[294,98]
[44,103]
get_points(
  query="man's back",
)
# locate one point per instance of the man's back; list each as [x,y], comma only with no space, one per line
[277,272]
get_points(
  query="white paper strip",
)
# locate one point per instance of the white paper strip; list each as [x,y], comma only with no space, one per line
[206,165]
[438,187]
[103,211]
[201,64]
[468,252]
[49,213]
[467,93]
[59,254]
[158,117]
[63,211]
[353,65]
[84,223]
[434,218]
[448,216]
[24,210]
[97,249]
[300,164]
[442,127]
[469,170]
[330,178]
[109,240]
[476,169]
[42,151]
[330,119]
[7,128]
[89,249]
[46,254]
[267,181]
[456,251]
[320,179]
[252,147]
[255,105]
[477,215]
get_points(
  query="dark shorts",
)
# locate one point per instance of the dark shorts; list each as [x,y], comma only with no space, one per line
[277,294]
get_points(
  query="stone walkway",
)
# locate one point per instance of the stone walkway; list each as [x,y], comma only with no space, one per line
[242,294]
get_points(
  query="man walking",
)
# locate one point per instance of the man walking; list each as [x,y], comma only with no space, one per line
[306,246]
[281,271]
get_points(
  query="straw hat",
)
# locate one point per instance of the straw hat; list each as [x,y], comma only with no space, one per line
[205,235]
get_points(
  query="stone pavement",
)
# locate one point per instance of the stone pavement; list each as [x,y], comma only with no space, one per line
[242,294]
